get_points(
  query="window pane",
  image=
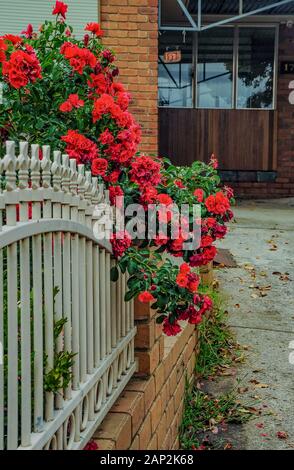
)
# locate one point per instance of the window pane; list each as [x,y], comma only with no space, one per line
[175,79]
[215,68]
[256,67]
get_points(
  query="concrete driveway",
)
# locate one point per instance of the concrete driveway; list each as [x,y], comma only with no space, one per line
[260,293]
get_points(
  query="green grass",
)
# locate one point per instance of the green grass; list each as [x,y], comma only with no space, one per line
[218,351]
[217,344]
[204,413]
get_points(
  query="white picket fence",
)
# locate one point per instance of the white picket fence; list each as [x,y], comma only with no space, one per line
[47,241]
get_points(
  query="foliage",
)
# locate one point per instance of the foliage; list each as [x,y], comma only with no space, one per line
[60,375]
[217,346]
[62,91]
[205,415]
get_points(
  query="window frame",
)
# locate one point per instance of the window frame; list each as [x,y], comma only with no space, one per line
[236,28]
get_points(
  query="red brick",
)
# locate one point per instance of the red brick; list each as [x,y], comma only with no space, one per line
[131,403]
[145,433]
[118,428]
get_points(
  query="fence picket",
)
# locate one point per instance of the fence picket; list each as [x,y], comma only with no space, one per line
[1,347]
[96,290]
[35,257]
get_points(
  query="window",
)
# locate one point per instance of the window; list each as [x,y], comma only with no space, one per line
[255,68]
[175,85]
[234,65]
[16,14]
[215,68]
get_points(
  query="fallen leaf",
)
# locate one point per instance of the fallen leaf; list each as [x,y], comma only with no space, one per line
[259,425]
[263,274]
[282,435]
[261,386]
[249,267]
[228,446]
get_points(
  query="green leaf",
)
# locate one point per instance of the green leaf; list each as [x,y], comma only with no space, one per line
[114,274]
[132,267]
[130,295]
[160,319]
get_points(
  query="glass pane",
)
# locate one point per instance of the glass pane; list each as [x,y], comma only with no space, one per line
[256,67]
[172,14]
[215,68]
[175,78]
[249,5]
[218,7]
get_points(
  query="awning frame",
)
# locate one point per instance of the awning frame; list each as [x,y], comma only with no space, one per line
[198,26]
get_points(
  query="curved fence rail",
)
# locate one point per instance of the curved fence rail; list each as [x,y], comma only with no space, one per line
[66,334]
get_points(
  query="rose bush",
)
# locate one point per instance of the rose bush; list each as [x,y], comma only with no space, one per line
[63,92]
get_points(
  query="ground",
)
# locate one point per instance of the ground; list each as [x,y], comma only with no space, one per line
[260,299]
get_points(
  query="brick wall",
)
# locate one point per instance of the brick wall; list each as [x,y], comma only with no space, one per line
[284,183]
[148,414]
[131,30]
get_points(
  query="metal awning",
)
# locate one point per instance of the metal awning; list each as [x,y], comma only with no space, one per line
[189,14]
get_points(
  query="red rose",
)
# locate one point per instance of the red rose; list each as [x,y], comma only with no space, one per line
[107,55]
[193,282]
[145,171]
[28,32]
[78,57]
[148,195]
[164,199]
[114,193]
[15,40]
[3,48]
[73,101]
[99,166]
[218,204]
[92,445]
[199,194]
[207,240]
[161,239]
[182,280]
[120,242]
[210,222]
[106,138]
[22,68]
[213,161]
[185,268]
[179,184]
[208,254]
[171,329]
[145,297]
[113,176]
[65,107]
[220,231]
[60,9]
[95,29]
[79,147]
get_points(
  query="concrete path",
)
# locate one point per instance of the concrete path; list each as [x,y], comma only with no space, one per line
[260,293]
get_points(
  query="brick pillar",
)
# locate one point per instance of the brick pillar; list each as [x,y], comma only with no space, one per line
[149,341]
[131,30]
